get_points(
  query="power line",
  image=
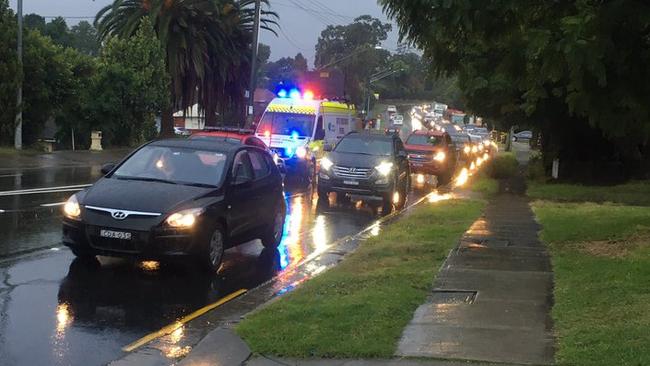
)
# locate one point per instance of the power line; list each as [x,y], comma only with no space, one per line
[291,41]
[325,9]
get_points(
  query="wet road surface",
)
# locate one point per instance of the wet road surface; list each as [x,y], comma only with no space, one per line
[55,310]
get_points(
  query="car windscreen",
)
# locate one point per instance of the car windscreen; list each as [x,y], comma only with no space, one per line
[459,139]
[174,165]
[365,145]
[424,140]
[287,123]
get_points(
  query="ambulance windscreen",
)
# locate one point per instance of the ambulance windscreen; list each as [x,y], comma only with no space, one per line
[289,124]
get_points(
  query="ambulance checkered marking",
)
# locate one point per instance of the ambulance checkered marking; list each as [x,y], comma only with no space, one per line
[291,109]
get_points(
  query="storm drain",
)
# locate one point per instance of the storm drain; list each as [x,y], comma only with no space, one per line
[453,296]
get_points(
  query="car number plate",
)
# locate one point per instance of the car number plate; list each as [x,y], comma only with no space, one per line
[351,182]
[115,234]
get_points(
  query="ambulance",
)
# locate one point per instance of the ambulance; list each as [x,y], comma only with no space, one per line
[295,126]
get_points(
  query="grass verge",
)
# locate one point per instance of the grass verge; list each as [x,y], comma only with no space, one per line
[486,185]
[360,307]
[601,260]
[635,193]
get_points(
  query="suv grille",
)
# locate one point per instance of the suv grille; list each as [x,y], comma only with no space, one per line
[419,156]
[351,172]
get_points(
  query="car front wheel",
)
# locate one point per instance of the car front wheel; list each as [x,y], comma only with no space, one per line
[213,253]
[273,235]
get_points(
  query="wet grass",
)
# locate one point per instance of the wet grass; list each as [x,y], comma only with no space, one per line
[634,193]
[360,307]
[601,260]
[486,185]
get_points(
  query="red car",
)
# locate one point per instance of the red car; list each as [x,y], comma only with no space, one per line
[431,153]
[243,136]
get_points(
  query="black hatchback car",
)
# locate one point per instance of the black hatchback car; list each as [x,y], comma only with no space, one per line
[370,164]
[172,198]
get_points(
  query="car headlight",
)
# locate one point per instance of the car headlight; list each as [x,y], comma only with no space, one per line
[474,149]
[184,219]
[467,149]
[71,209]
[301,152]
[440,156]
[384,168]
[325,163]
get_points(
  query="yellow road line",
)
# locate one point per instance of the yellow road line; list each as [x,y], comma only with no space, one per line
[168,329]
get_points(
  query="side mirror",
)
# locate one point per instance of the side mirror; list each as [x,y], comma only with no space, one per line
[319,135]
[107,168]
[327,148]
[239,178]
[402,154]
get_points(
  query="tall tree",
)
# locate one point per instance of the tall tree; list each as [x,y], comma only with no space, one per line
[8,72]
[352,49]
[58,30]
[34,21]
[207,48]
[84,38]
[577,70]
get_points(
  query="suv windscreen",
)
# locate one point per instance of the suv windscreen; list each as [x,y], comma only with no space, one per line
[279,123]
[365,145]
[425,140]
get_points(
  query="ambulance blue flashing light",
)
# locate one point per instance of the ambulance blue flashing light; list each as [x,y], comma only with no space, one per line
[282,93]
[294,94]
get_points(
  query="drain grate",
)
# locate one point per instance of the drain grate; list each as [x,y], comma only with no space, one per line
[454,296]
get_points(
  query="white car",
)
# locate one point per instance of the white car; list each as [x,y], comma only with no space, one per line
[398,119]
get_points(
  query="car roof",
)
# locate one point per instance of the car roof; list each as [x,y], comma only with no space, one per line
[372,133]
[199,144]
[221,134]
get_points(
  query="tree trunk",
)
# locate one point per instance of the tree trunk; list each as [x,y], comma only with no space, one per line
[167,122]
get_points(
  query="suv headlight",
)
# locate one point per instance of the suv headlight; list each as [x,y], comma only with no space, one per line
[301,152]
[384,168]
[326,163]
[184,219]
[439,156]
[71,209]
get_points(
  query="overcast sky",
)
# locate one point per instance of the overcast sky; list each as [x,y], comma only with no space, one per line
[301,21]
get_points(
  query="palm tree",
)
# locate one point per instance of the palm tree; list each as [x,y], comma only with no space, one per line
[207,45]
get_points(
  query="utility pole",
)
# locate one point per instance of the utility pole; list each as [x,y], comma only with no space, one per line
[253,79]
[18,137]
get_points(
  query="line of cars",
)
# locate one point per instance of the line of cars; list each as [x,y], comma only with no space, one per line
[195,197]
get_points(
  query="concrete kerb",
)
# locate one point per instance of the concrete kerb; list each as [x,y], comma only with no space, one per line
[261,296]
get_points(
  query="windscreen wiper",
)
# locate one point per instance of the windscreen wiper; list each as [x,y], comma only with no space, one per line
[147,179]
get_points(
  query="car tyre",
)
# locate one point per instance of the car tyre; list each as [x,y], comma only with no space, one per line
[214,249]
[387,204]
[273,234]
[342,198]
[323,194]
[83,253]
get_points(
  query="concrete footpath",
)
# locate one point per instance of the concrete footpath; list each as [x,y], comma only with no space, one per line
[493,295]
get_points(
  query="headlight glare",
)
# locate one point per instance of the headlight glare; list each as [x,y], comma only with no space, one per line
[301,152]
[384,168]
[184,219]
[325,163]
[71,209]
[439,156]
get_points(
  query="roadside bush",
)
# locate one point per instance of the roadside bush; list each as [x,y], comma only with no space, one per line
[502,166]
[535,170]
